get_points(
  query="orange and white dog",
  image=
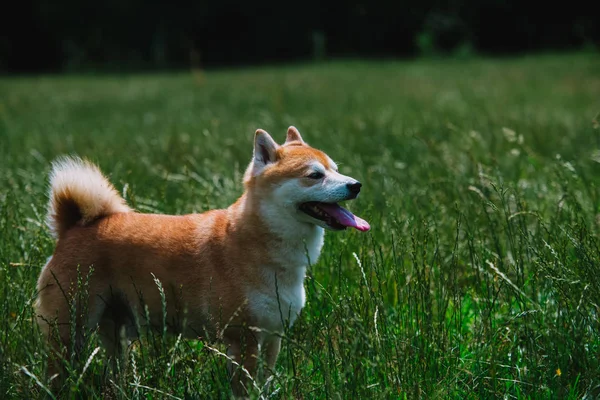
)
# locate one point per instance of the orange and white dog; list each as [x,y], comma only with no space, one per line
[221,272]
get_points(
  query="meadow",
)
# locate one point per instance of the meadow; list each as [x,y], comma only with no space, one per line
[480,277]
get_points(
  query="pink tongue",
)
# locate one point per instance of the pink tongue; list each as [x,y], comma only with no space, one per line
[345,217]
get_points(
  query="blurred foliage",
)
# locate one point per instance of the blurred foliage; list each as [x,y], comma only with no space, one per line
[71,35]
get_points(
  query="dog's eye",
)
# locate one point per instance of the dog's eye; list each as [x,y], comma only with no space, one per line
[316,175]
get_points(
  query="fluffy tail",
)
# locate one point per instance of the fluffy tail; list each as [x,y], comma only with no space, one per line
[79,195]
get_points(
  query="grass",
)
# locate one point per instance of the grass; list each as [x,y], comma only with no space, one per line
[479,279]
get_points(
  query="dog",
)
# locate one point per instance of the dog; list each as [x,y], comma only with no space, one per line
[236,274]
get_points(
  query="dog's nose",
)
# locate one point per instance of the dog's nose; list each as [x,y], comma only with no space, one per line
[354,187]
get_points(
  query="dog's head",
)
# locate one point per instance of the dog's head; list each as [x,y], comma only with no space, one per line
[295,180]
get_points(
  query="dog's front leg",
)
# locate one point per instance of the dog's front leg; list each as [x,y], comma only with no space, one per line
[273,345]
[242,352]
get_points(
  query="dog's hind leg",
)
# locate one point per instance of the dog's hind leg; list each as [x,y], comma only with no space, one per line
[117,326]
[63,316]
[113,338]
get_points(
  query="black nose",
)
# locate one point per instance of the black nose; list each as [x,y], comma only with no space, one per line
[354,187]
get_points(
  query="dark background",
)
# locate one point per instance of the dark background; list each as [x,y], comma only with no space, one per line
[77,35]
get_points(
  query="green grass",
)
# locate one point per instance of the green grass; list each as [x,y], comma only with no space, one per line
[480,277]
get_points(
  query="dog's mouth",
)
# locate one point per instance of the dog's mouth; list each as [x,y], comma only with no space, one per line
[335,216]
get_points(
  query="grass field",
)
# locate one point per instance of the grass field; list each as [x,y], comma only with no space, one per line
[479,279]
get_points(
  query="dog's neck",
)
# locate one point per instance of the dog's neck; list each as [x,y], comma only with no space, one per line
[295,244]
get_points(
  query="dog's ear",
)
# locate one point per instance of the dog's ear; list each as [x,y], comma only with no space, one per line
[293,135]
[265,149]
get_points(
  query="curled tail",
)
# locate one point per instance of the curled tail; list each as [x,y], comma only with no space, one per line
[79,195]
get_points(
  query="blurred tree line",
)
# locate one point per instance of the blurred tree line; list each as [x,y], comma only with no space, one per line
[69,35]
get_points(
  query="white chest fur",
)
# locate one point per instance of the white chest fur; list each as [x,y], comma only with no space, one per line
[281,298]
[279,302]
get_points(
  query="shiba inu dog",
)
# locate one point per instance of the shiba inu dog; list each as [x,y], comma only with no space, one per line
[222,272]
